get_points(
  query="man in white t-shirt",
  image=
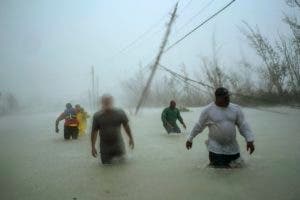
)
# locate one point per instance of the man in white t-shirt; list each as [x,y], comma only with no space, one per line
[222,117]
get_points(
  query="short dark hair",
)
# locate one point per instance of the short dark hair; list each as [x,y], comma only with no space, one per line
[68,105]
[106,97]
[221,91]
[172,101]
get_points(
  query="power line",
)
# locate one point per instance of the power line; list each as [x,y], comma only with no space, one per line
[201,24]
[196,15]
[185,6]
[186,82]
[197,27]
[148,31]
[185,77]
[183,9]
[163,50]
[160,30]
[142,35]
[155,33]
[139,38]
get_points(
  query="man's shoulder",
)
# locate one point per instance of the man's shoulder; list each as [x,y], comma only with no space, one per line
[208,107]
[167,109]
[115,111]
[177,110]
[98,114]
[119,111]
[234,107]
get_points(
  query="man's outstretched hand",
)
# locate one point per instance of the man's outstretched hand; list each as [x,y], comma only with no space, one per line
[188,145]
[250,147]
[184,126]
[56,130]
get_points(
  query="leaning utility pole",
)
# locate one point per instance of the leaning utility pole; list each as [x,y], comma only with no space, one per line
[157,59]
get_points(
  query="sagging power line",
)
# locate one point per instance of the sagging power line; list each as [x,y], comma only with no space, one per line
[146,33]
[196,15]
[185,77]
[199,26]
[183,80]
[163,50]
[208,87]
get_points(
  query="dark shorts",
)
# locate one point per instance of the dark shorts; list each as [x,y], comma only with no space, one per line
[221,160]
[174,129]
[70,131]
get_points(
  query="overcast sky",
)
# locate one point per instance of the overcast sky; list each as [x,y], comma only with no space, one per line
[48,47]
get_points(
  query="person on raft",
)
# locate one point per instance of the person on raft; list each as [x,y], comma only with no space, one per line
[222,117]
[107,122]
[169,117]
[71,122]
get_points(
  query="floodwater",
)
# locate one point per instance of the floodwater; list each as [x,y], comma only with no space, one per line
[37,163]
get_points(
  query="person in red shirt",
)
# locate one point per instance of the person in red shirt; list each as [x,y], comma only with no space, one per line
[71,122]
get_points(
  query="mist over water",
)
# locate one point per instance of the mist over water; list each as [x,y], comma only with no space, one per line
[36,163]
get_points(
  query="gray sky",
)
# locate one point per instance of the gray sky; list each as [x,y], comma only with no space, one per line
[47,47]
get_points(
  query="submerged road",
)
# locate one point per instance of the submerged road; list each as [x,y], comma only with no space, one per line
[36,163]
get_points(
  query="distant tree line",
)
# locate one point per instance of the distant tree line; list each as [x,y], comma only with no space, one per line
[164,89]
[276,80]
[8,103]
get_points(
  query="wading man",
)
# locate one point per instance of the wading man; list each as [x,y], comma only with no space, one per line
[222,117]
[71,122]
[107,122]
[169,117]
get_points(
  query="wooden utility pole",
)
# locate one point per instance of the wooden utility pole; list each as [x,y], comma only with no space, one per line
[157,59]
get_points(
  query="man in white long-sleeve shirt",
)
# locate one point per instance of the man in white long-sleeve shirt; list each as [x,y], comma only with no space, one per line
[222,117]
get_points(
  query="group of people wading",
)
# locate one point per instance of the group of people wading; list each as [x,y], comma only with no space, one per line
[221,117]
[75,121]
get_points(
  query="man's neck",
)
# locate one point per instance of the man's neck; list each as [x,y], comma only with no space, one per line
[221,106]
[108,110]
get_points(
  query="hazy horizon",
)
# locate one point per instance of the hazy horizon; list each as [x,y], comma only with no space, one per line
[48,47]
